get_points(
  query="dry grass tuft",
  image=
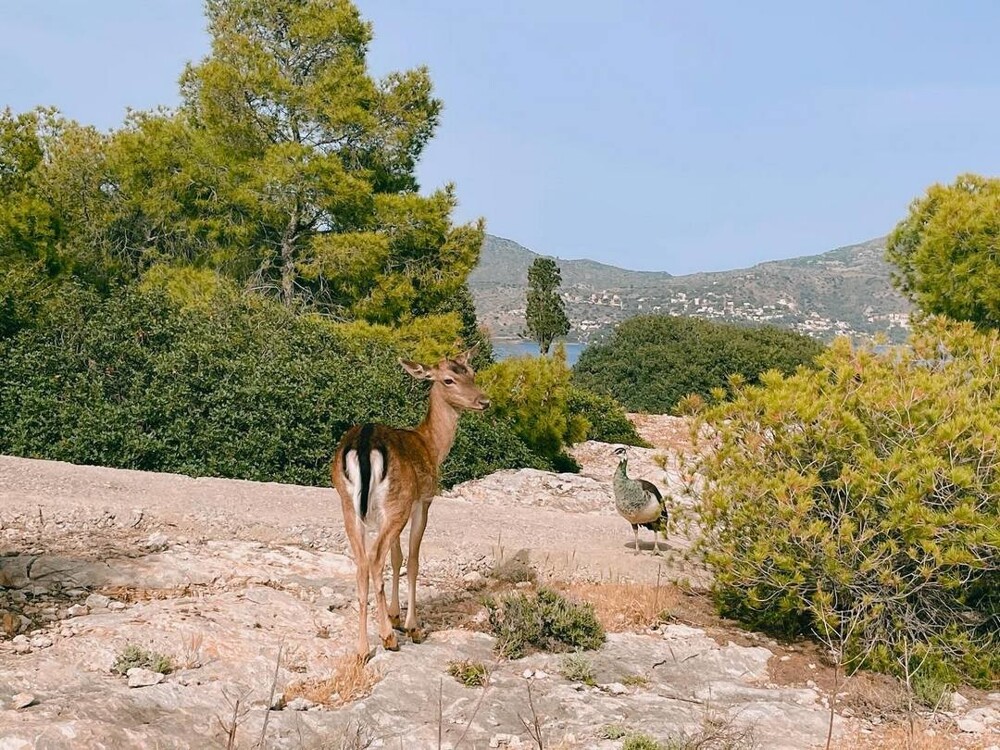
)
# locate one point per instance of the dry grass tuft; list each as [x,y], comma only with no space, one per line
[871,694]
[352,679]
[626,606]
[897,737]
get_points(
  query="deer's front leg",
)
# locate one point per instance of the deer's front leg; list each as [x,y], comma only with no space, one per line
[397,563]
[418,522]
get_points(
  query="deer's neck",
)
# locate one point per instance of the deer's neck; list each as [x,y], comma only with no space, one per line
[439,426]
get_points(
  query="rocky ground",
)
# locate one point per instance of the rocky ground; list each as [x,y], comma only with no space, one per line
[247,591]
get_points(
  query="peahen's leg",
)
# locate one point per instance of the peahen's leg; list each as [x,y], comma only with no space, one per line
[635,531]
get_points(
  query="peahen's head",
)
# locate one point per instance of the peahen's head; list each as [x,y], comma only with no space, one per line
[622,452]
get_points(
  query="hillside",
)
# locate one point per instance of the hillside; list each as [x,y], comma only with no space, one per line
[846,290]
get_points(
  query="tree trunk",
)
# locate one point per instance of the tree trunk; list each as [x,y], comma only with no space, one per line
[288,257]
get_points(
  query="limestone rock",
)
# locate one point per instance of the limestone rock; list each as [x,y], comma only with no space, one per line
[97,601]
[139,677]
[22,700]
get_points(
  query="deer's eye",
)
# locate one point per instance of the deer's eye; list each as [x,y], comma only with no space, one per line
[449,381]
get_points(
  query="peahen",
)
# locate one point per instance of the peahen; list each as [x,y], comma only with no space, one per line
[639,502]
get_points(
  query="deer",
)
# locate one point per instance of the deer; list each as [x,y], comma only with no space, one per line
[386,477]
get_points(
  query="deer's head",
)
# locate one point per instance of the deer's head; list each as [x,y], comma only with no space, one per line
[454,379]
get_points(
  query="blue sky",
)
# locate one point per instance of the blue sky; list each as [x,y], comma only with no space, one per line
[673,136]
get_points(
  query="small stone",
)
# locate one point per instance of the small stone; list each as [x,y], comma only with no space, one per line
[993,697]
[155,542]
[78,610]
[540,675]
[971,726]
[21,700]
[812,666]
[41,641]
[847,713]
[986,714]
[338,601]
[299,704]
[523,584]
[527,674]
[959,701]
[505,740]
[615,688]
[116,606]
[786,657]
[326,592]
[810,684]
[473,576]
[139,677]
[97,601]
[23,623]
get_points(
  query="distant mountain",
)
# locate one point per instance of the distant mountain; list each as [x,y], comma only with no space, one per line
[846,291]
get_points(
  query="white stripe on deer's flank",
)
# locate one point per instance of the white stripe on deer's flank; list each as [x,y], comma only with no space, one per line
[353,473]
[377,488]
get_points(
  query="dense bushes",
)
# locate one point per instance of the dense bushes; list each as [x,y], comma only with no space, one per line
[606,419]
[533,393]
[548,412]
[651,362]
[239,388]
[861,501]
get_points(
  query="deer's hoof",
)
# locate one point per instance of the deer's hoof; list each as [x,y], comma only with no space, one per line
[417,635]
[365,656]
[396,622]
[390,643]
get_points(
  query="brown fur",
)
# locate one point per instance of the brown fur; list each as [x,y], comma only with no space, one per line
[414,457]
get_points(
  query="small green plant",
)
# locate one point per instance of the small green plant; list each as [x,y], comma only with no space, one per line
[577,668]
[930,690]
[469,673]
[516,569]
[546,620]
[635,680]
[133,656]
[612,732]
[641,742]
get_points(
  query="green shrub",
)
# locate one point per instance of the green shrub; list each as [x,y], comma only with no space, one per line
[133,656]
[533,394]
[239,387]
[546,621]
[607,421]
[861,501]
[945,250]
[651,362]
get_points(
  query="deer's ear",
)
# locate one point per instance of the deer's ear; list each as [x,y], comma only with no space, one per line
[417,370]
[465,356]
